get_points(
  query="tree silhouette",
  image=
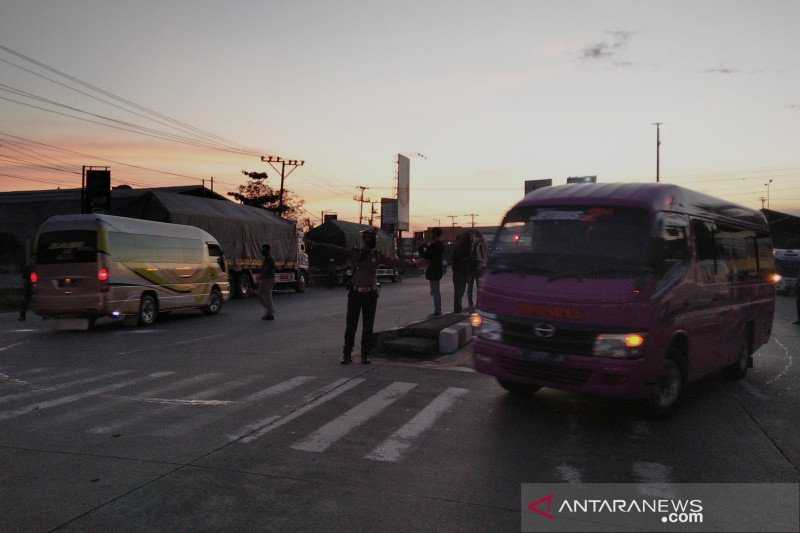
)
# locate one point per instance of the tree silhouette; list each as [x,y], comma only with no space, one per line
[257,193]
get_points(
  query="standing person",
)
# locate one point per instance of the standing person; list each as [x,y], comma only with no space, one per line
[434,253]
[362,298]
[27,292]
[267,283]
[477,264]
[462,267]
[797,299]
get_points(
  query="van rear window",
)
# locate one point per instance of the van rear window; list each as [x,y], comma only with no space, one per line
[68,246]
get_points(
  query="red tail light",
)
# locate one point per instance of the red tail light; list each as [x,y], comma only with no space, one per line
[102,274]
[34,278]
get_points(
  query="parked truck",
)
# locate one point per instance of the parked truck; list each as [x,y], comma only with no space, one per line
[241,231]
[331,245]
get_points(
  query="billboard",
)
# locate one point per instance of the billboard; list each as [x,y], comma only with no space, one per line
[532,185]
[582,179]
[96,196]
[403,192]
[389,215]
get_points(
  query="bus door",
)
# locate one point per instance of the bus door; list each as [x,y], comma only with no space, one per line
[706,306]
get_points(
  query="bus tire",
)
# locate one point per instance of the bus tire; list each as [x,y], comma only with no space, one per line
[669,389]
[738,370]
[518,389]
[148,310]
[214,302]
[300,284]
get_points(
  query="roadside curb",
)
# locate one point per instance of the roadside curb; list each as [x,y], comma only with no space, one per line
[452,338]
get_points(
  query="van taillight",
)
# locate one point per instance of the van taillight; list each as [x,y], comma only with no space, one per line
[34,278]
[102,274]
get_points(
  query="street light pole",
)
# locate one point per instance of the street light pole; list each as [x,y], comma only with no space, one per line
[658,150]
[767,185]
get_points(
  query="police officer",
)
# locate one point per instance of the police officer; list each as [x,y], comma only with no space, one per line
[27,291]
[362,298]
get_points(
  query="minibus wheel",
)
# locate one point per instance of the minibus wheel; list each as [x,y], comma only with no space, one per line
[148,310]
[669,389]
[214,302]
[518,389]
[738,370]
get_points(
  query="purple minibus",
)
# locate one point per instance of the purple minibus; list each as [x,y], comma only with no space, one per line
[624,290]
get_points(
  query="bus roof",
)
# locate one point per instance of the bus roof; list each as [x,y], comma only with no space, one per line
[128,225]
[649,196]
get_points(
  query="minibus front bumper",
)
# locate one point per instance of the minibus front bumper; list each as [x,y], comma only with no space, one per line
[603,376]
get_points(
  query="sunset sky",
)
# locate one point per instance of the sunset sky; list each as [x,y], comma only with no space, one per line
[490,92]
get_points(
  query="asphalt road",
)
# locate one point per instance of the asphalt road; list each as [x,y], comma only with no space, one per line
[230,422]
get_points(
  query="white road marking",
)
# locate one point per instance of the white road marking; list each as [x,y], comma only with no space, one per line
[393,448]
[243,403]
[162,346]
[113,401]
[656,478]
[202,395]
[639,430]
[324,437]
[788,365]
[5,378]
[4,415]
[258,424]
[569,473]
[9,346]
[33,371]
[349,384]
[53,377]
[62,386]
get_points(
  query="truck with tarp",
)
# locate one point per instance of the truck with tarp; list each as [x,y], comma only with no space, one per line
[331,245]
[241,231]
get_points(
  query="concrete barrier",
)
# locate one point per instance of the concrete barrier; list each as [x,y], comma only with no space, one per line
[454,337]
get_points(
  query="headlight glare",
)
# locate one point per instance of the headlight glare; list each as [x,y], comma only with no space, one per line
[625,345]
[486,326]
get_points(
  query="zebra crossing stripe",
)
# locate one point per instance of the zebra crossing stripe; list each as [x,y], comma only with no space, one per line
[62,386]
[258,424]
[78,414]
[202,395]
[62,375]
[349,384]
[4,415]
[393,448]
[324,437]
[243,403]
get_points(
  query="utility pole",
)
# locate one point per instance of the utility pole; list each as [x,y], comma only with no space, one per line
[212,183]
[767,185]
[453,220]
[658,150]
[361,201]
[372,213]
[292,163]
[472,216]
[438,222]
[763,201]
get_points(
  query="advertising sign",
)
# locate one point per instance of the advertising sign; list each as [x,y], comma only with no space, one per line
[532,185]
[582,179]
[389,215]
[403,192]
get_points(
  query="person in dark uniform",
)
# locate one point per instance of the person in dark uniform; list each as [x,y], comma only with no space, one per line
[797,300]
[27,292]
[434,253]
[267,283]
[462,266]
[362,298]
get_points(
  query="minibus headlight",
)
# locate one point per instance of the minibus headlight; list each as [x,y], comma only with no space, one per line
[775,278]
[486,326]
[619,345]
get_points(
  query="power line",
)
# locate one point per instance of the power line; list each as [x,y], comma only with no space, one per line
[116,97]
[12,176]
[83,154]
[28,163]
[361,201]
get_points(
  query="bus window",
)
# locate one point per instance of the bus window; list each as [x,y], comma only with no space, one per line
[737,252]
[766,258]
[705,250]
[68,246]
[670,249]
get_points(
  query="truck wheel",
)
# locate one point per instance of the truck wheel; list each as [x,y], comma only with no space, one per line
[668,390]
[214,302]
[244,285]
[148,310]
[518,389]
[738,370]
[300,284]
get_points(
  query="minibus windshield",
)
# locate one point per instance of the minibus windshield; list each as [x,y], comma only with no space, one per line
[561,242]
[67,246]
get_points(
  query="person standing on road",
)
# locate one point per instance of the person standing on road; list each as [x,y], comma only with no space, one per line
[461,268]
[27,292]
[477,264]
[267,283]
[362,298]
[434,253]
[797,299]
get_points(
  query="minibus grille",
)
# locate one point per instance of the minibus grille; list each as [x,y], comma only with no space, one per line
[544,372]
[566,341]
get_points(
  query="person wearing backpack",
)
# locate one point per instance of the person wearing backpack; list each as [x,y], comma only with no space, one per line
[477,266]
[434,253]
